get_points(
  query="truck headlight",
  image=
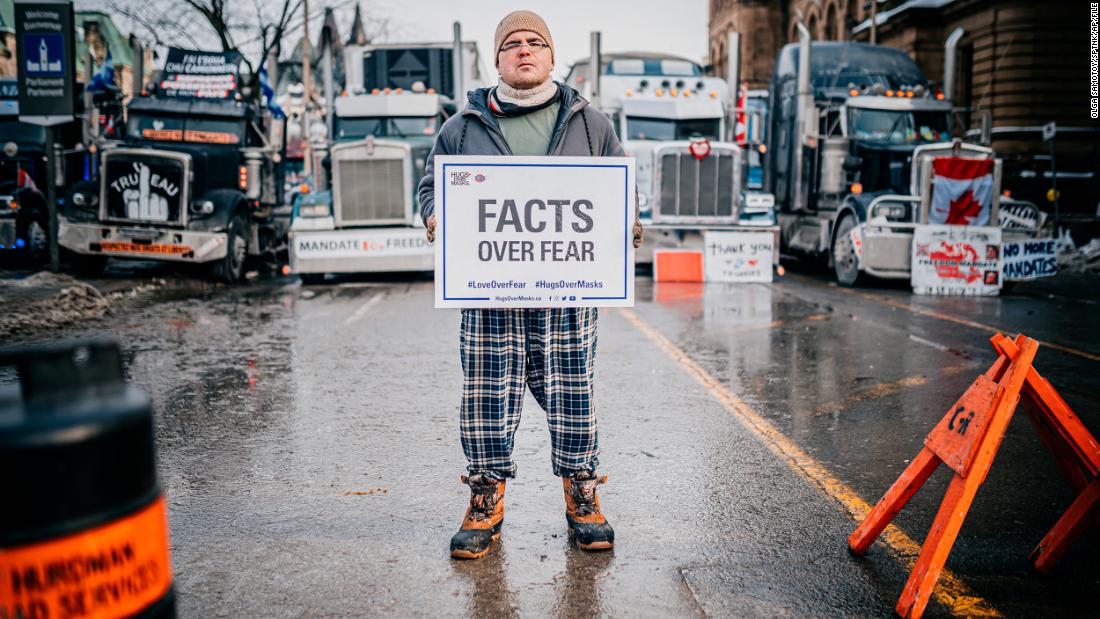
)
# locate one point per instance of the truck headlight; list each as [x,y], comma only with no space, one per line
[202,207]
[82,200]
[314,210]
[759,201]
[893,212]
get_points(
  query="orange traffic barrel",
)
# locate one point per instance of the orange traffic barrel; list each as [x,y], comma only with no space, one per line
[83,523]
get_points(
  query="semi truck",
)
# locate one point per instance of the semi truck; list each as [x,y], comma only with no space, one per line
[393,104]
[197,178]
[680,125]
[855,134]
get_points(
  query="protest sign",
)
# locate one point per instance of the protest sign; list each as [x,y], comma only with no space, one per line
[956,260]
[1030,259]
[738,256]
[534,231]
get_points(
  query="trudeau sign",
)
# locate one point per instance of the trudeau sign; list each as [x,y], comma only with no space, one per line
[44,61]
[534,231]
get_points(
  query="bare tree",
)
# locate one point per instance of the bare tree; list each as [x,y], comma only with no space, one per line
[251,27]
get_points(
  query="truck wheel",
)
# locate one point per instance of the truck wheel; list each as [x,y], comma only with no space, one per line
[230,269]
[844,255]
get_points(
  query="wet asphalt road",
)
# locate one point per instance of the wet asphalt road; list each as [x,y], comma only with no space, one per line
[308,447]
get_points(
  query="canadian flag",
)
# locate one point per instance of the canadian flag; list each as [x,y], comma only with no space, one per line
[963,191]
[25,180]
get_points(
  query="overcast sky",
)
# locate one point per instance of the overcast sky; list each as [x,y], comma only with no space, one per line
[678,27]
[674,27]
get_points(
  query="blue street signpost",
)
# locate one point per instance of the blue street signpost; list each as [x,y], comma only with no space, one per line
[45,70]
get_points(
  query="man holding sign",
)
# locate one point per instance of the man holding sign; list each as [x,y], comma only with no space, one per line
[547,347]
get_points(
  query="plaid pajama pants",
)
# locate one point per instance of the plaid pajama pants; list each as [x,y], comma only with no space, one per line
[553,352]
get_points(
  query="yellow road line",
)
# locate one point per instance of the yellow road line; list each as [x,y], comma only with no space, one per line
[950,591]
[931,313]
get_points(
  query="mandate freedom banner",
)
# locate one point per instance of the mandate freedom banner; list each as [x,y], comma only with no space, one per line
[534,231]
[956,260]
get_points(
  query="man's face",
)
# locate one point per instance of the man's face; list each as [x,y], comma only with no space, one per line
[527,65]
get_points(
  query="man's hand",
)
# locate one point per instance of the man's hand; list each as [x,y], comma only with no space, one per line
[637,233]
[431,228]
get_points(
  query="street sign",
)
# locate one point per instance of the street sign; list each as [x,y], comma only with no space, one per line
[534,231]
[1049,130]
[45,67]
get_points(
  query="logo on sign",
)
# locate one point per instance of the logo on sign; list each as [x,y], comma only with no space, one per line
[480,178]
[460,178]
[44,54]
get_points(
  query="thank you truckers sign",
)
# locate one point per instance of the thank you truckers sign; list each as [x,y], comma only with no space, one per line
[534,231]
[44,56]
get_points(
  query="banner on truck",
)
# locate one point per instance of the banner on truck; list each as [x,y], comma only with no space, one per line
[534,231]
[956,260]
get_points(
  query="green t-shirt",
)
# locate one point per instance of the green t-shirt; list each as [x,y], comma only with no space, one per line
[530,134]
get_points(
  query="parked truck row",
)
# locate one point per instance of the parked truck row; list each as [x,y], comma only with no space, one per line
[838,160]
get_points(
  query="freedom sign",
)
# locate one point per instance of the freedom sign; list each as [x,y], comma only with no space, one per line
[534,231]
[956,260]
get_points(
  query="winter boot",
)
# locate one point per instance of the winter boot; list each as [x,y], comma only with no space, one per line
[483,518]
[587,524]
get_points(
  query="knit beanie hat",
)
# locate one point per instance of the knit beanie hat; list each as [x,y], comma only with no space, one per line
[517,21]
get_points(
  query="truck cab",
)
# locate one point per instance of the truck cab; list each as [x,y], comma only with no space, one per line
[385,123]
[855,131]
[196,180]
[678,124]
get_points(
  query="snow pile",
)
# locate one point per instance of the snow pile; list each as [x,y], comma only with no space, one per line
[71,301]
[1073,259]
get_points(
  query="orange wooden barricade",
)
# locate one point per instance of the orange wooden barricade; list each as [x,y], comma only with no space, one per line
[966,440]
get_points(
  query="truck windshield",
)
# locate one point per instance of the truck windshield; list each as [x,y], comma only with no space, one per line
[178,129]
[897,126]
[380,126]
[639,128]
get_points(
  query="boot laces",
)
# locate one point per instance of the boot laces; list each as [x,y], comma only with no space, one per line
[584,494]
[483,496]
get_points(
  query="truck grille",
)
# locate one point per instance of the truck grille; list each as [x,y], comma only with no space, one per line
[145,186]
[371,189]
[693,190]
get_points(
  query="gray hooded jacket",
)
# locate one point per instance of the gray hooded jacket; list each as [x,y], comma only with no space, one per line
[580,131]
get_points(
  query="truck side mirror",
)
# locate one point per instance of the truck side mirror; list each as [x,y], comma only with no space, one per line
[756,127]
